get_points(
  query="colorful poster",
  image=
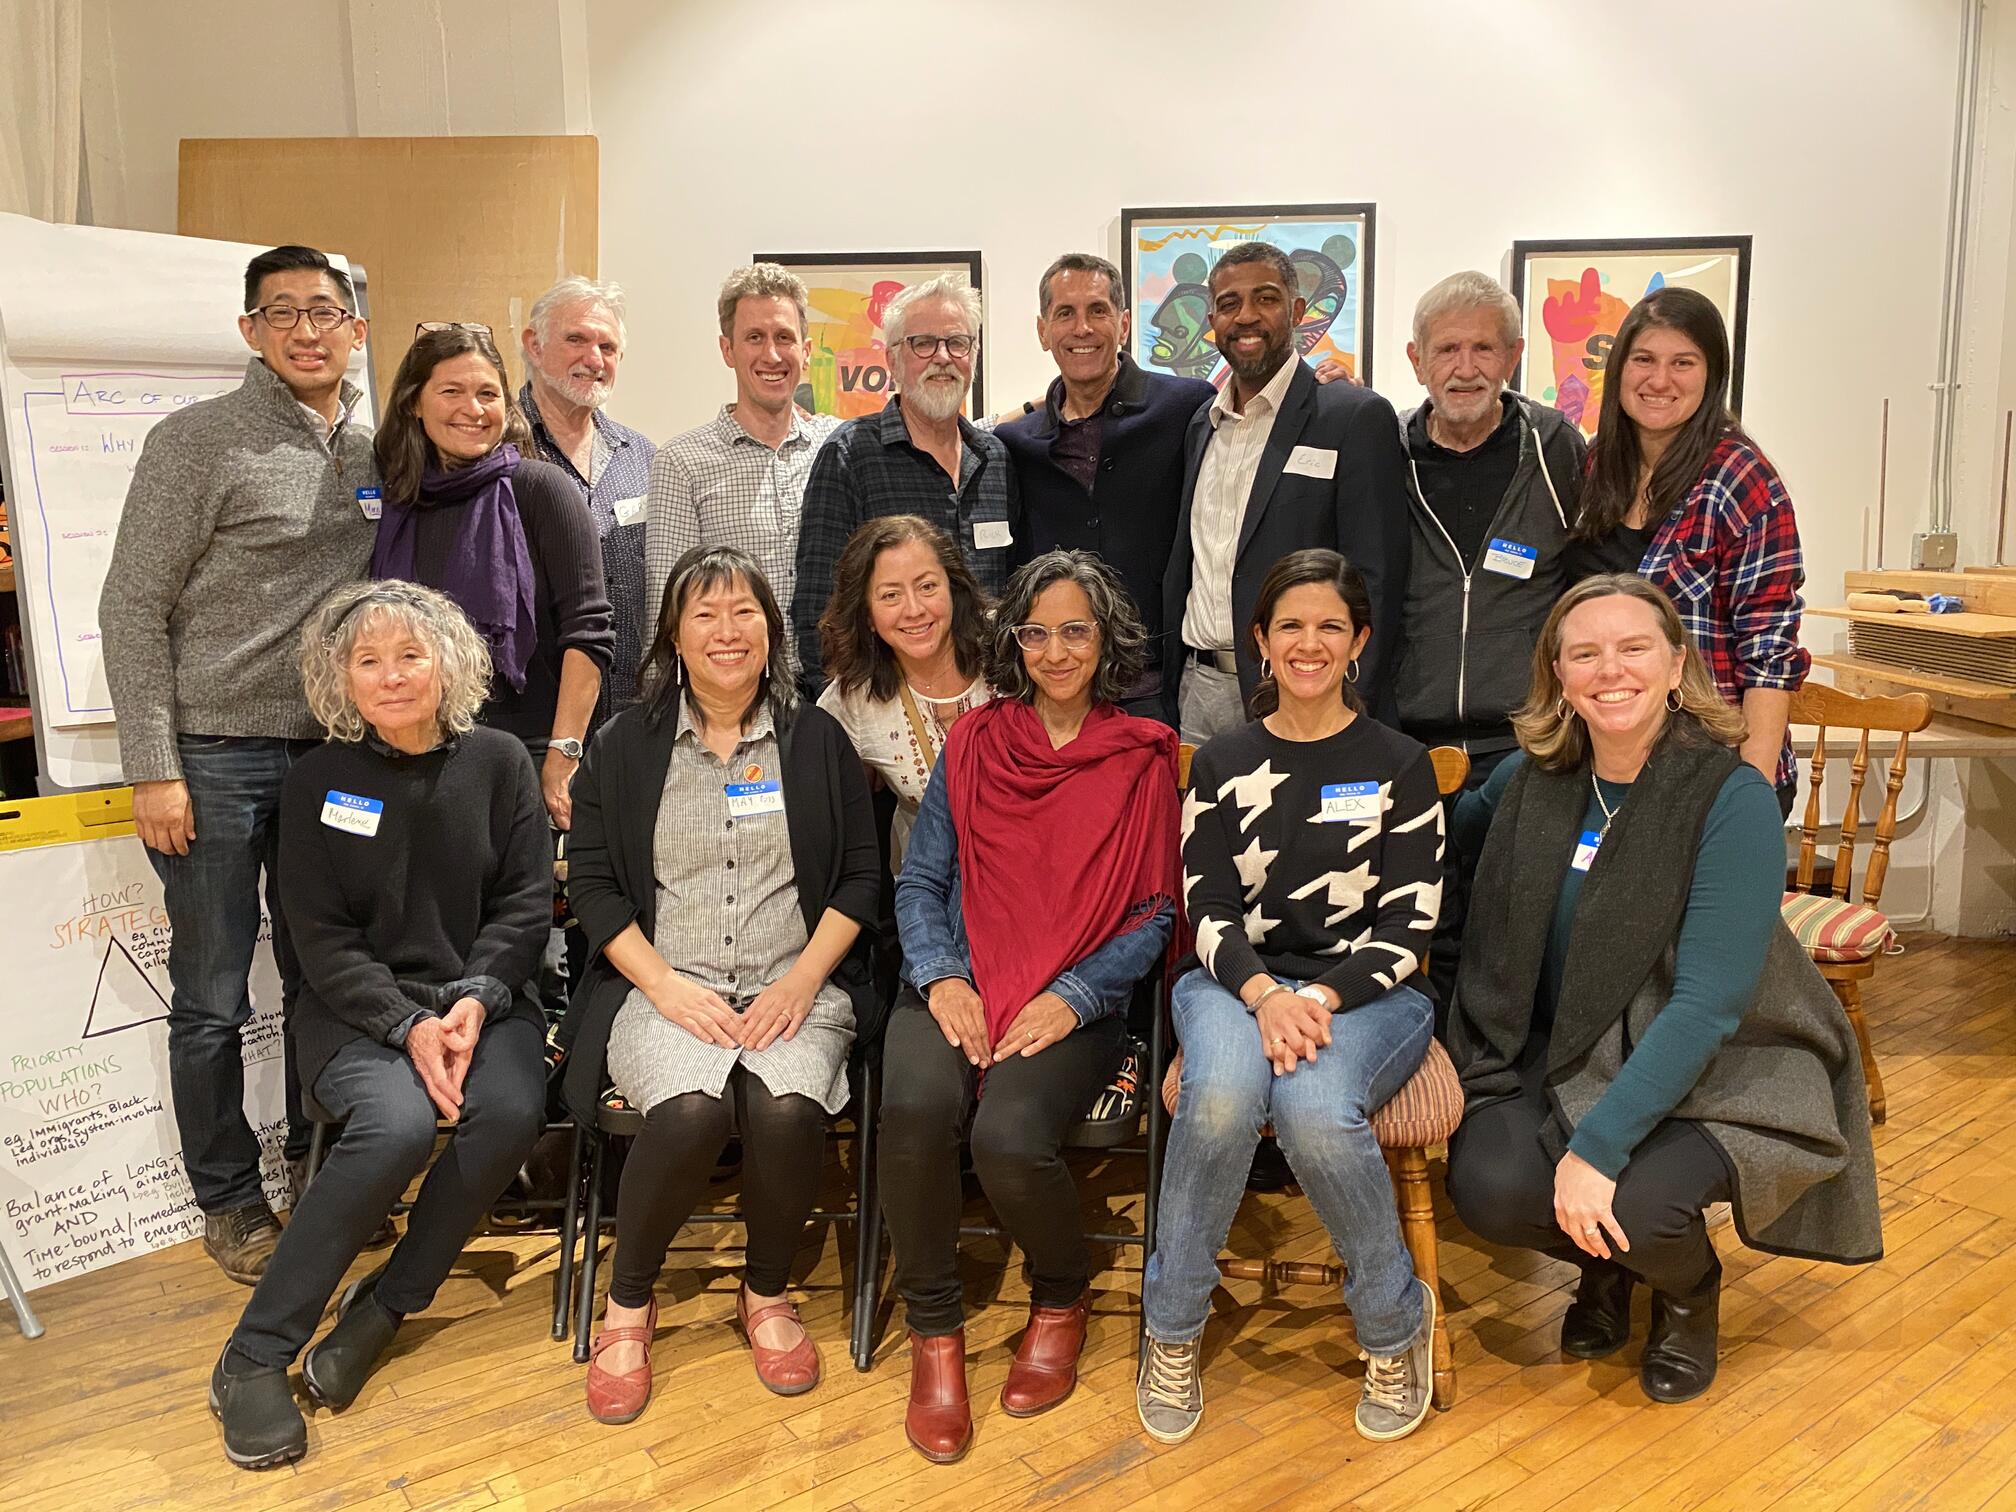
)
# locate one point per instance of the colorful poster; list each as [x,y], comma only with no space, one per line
[1169,255]
[1575,294]
[846,368]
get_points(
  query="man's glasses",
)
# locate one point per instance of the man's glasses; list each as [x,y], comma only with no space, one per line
[1076,635]
[451,325]
[284,317]
[958,348]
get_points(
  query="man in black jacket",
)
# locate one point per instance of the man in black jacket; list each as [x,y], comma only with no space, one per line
[1100,465]
[1274,464]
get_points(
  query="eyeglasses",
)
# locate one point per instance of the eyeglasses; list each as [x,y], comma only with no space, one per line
[284,317]
[1076,635]
[451,325]
[958,348]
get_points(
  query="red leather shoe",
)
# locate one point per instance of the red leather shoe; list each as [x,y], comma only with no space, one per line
[616,1398]
[1046,1361]
[788,1372]
[939,1423]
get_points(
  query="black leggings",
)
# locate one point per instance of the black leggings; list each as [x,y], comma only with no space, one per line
[1028,1107]
[783,1145]
[1502,1185]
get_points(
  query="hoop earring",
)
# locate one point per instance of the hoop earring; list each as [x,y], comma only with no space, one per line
[1561,710]
[1351,671]
[1674,702]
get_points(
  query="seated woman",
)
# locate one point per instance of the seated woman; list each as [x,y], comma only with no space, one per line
[1638,1034]
[507,537]
[1036,893]
[1312,862]
[723,865]
[902,641]
[418,888]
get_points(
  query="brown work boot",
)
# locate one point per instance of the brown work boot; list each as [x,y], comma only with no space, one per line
[241,1240]
[939,1422]
[1046,1361]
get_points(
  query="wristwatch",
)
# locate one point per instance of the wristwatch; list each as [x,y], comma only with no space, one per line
[568,747]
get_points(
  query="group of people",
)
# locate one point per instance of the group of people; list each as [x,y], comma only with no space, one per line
[380,673]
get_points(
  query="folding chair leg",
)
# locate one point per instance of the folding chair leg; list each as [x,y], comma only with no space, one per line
[1417,1228]
[1158,1138]
[867,1225]
[584,1306]
[318,1149]
[570,1236]
[24,1315]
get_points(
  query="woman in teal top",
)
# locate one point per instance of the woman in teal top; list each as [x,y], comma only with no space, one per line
[1637,1034]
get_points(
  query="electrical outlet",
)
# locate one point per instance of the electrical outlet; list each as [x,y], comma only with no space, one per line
[1934,550]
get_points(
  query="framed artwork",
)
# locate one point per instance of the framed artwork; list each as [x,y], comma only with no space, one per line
[846,366]
[1575,294]
[1168,255]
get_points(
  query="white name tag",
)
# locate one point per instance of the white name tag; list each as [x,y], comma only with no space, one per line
[352,814]
[629,511]
[991,535]
[1312,462]
[1349,800]
[371,501]
[748,799]
[1511,559]
[1585,850]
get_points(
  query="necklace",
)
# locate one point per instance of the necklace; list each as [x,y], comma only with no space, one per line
[1608,812]
[933,698]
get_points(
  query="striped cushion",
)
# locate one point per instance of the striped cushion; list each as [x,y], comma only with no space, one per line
[1829,929]
[1424,1112]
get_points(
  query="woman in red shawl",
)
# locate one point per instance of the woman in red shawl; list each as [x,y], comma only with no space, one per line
[1036,892]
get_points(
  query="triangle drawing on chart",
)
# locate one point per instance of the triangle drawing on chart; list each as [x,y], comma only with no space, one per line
[115,1002]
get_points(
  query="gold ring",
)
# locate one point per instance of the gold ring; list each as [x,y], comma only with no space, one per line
[1277,1040]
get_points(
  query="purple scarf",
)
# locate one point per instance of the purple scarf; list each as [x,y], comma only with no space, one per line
[488,569]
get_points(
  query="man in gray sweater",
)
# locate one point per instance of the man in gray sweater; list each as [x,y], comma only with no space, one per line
[243,514]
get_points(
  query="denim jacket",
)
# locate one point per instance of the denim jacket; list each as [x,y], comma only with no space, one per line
[932,923]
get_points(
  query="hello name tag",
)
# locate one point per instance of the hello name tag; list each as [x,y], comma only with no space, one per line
[352,814]
[371,501]
[1511,559]
[1312,462]
[991,535]
[1344,801]
[748,799]
[1585,850]
[629,511]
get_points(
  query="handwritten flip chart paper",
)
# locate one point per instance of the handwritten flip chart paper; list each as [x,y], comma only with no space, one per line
[90,1161]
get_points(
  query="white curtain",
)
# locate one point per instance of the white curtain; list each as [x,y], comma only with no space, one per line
[41,80]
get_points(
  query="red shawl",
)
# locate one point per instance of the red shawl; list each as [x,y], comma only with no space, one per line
[1060,850]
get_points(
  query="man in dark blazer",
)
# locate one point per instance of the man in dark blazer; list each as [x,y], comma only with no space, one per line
[1277,462]
[1100,466]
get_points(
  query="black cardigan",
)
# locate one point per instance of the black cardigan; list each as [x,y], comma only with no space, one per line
[612,881]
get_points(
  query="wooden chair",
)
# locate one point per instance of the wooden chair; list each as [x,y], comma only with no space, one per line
[1421,1114]
[1845,937]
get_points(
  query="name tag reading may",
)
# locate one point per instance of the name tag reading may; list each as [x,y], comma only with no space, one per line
[1349,800]
[352,814]
[748,799]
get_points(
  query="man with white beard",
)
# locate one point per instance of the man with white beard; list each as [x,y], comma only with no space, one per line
[917,456]
[573,342]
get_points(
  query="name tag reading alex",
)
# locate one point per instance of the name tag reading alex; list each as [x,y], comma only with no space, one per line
[1349,800]
[371,501]
[991,535]
[748,799]
[1585,850]
[1510,559]
[352,814]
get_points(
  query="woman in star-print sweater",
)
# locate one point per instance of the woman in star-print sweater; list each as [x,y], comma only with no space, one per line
[1312,872]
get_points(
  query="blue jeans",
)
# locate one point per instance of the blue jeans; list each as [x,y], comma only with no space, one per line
[1321,1115]
[212,896]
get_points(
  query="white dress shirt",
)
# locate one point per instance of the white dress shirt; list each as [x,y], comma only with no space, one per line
[1218,507]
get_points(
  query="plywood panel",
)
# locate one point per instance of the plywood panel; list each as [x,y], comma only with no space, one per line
[448,228]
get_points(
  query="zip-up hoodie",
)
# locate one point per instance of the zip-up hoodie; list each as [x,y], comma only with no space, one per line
[1469,628]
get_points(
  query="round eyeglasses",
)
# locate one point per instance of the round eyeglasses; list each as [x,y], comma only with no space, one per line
[958,348]
[1076,635]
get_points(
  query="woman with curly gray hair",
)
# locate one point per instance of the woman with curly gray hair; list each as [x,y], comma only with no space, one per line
[1037,891]
[417,886]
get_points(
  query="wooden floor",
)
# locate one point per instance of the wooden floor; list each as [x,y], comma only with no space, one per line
[1891,1385]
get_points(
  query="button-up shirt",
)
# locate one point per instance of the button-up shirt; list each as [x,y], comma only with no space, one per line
[721,486]
[1218,506]
[619,473]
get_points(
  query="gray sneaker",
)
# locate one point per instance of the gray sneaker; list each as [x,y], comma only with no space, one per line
[1170,1392]
[241,1241]
[1397,1387]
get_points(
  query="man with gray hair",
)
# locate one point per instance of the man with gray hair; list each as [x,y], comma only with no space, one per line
[917,456]
[573,342]
[739,480]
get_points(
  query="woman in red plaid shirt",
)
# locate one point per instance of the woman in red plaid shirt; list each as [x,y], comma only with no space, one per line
[1677,492]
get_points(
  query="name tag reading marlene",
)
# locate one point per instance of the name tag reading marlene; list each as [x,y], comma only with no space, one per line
[748,799]
[1349,800]
[352,814]
[1585,850]
[1510,559]
[371,501]
[990,535]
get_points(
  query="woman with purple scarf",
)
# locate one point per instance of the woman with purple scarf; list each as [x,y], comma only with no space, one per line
[502,534]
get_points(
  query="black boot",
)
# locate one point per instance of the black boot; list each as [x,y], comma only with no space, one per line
[262,1426]
[1598,1321]
[335,1370]
[1680,1350]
